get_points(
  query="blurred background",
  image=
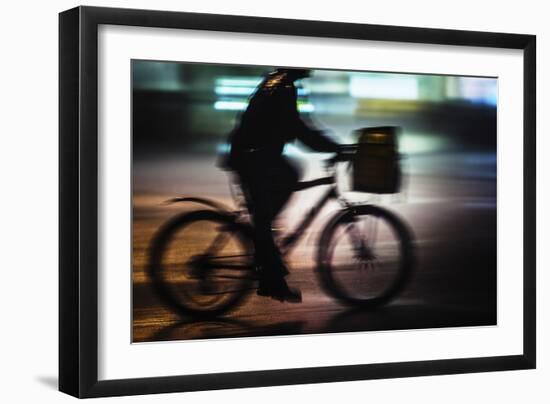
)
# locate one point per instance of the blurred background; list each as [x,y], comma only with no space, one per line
[192,106]
[182,113]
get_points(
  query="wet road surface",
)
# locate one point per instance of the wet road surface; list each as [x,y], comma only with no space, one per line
[449,204]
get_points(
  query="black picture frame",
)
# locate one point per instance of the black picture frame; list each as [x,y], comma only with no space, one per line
[78,195]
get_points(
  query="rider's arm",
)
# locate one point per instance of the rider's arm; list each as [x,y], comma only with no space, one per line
[313,138]
[317,139]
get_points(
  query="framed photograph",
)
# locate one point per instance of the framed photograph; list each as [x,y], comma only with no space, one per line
[251,201]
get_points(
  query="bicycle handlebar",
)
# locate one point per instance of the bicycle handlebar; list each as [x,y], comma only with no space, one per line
[345,154]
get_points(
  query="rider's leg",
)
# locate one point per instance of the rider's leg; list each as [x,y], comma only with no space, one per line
[276,186]
[267,253]
[272,269]
[284,177]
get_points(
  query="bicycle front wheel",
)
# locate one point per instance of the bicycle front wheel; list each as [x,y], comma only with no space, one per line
[201,263]
[365,256]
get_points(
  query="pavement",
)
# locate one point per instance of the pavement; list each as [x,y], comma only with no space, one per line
[449,203]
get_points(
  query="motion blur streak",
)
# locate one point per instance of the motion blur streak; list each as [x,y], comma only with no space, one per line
[181,116]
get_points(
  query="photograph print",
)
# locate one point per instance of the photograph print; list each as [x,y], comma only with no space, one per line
[277,200]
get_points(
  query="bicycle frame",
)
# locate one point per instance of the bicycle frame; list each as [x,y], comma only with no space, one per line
[290,240]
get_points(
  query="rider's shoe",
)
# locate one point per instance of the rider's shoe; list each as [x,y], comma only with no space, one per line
[279,290]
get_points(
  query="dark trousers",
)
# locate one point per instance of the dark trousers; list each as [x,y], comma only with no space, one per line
[267,185]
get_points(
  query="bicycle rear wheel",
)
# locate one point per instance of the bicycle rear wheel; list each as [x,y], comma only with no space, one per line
[365,256]
[201,263]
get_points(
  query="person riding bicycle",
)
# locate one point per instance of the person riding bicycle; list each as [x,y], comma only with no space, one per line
[267,178]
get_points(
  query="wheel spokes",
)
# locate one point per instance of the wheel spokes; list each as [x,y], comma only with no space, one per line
[364,257]
[205,264]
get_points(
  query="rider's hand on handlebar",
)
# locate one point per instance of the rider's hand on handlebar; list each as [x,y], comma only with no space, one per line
[345,152]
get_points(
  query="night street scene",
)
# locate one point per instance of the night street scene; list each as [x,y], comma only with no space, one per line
[263,204]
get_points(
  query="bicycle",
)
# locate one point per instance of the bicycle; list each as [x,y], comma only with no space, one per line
[202,265]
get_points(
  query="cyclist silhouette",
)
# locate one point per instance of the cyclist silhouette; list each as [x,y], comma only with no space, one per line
[267,178]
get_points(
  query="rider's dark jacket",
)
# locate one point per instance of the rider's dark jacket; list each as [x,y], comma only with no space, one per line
[270,121]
